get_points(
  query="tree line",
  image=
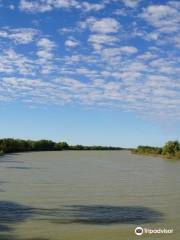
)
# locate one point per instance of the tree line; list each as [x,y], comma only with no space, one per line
[171,149]
[10,145]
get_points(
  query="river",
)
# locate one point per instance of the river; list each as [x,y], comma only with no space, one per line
[87,195]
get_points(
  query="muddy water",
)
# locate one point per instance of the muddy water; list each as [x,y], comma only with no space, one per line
[87,195]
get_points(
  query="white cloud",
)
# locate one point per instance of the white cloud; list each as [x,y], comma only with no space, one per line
[104,25]
[71,43]
[48,5]
[116,54]
[131,3]
[44,54]
[19,35]
[97,40]
[165,22]
[46,43]
[12,62]
[113,73]
[92,6]
[128,49]
[103,30]
[163,17]
[131,83]
[46,47]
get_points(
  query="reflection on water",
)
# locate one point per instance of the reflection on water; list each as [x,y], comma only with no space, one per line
[6,237]
[101,214]
[24,168]
[11,212]
[105,194]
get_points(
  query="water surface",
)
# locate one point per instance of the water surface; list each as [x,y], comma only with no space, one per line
[87,195]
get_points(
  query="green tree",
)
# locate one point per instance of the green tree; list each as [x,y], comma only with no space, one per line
[43,145]
[170,148]
[61,146]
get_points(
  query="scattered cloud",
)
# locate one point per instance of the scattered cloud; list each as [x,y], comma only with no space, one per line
[49,5]
[71,43]
[92,6]
[98,40]
[46,43]
[19,35]
[46,47]
[125,59]
[163,17]
[103,26]
[131,3]
[128,49]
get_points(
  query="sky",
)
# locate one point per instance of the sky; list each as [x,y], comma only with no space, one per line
[90,72]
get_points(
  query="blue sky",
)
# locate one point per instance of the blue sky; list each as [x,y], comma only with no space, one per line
[90,72]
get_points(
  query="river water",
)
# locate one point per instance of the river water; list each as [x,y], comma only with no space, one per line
[87,195]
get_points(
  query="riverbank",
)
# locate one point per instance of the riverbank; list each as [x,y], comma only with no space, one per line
[171,150]
[10,145]
[1,153]
[156,155]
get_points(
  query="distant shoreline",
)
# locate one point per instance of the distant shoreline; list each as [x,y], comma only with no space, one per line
[171,150]
[10,145]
